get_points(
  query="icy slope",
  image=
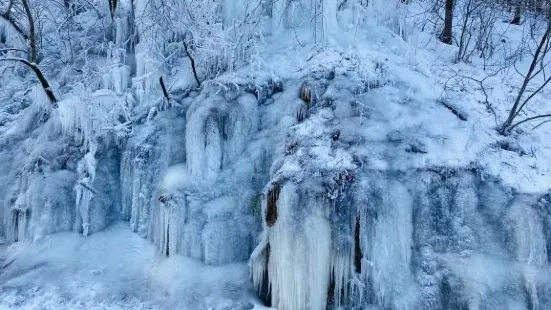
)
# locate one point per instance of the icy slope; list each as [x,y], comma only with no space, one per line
[334,166]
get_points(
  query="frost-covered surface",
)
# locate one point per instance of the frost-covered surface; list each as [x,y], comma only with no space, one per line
[114,269]
[366,193]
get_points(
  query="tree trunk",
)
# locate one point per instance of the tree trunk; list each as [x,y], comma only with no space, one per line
[33,54]
[447,35]
[516,18]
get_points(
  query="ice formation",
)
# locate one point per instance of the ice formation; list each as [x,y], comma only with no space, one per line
[310,178]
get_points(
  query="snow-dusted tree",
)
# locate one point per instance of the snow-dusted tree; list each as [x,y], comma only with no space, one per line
[537,77]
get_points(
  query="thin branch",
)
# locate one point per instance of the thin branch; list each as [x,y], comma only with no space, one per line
[534,93]
[540,124]
[192,60]
[481,83]
[163,87]
[13,49]
[527,120]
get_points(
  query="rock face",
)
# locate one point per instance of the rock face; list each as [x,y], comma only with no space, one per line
[335,203]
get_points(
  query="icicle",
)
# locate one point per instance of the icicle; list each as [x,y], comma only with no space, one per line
[127,180]
[86,172]
[172,210]
[529,244]
[299,262]
[342,269]
[40,99]
[242,122]
[168,233]
[136,190]
[279,16]
[117,79]
[122,31]
[330,17]
[213,148]
[527,232]
[258,262]
[19,212]
[389,246]
[83,198]
[204,146]
[147,77]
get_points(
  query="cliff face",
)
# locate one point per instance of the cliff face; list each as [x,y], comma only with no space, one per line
[339,176]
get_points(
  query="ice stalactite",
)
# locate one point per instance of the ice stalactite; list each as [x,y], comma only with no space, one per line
[147,75]
[298,266]
[225,239]
[330,23]
[342,264]
[19,212]
[186,222]
[136,175]
[258,265]
[196,139]
[231,11]
[147,62]
[127,173]
[390,14]
[529,244]
[117,79]
[242,122]
[526,229]
[171,210]
[216,133]
[388,245]
[40,203]
[122,31]
[169,223]
[279,15]
[86,172]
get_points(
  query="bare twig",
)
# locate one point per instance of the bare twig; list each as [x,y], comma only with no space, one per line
[192,61]
[13,49]
[528,120]
[163,87]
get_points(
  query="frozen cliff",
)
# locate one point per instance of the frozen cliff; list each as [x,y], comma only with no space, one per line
[324,173]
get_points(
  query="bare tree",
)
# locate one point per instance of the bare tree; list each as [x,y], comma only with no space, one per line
[447,34]
[478,19]
[535,71]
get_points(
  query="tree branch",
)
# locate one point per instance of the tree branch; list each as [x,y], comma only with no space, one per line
[515,110]
[192,60]
[163,87]
[39,75]
[527,120]
[13,49]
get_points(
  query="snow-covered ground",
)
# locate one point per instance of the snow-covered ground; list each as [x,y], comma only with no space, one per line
[114,269]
